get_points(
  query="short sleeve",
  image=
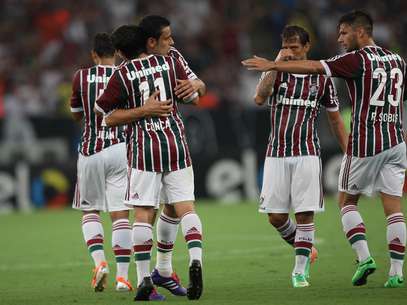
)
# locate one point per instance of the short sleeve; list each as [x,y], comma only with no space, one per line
[181,73]
[177,55]
[348,65]
[180,70]
[114,96]
[330,98]
[76,100]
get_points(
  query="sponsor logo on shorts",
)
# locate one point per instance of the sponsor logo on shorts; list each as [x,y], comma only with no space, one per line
[84,202]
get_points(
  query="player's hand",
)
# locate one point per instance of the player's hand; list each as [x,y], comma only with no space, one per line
[258,64]
[284,55]
[185,88]
[153,107]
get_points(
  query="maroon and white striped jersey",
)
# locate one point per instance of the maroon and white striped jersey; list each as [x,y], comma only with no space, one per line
[176,54]
[375,78]
[154,144]
[87,85]
[295,104]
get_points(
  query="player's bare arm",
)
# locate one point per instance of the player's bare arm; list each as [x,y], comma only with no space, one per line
[294,66]
[338,129]
[186,88]
[151,108]
[265,87]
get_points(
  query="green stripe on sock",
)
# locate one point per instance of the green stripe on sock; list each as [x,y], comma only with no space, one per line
[95,248]
[142,256]
[396,256]
[163,251]
[195,244]
[356,238]
[302,251]
[123,259]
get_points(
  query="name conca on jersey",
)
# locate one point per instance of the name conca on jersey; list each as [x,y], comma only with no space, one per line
[158,125]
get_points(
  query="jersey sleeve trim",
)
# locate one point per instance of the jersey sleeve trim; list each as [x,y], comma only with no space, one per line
[326,68]
[98,108]
[332,109]
[77,109]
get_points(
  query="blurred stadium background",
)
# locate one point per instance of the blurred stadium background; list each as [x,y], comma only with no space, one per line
[43,42]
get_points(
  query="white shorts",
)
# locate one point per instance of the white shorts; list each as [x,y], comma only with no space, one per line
[151,188]
[101,180]
[292,183]
[384,172]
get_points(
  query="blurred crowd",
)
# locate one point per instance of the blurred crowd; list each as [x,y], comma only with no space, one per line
[43,42]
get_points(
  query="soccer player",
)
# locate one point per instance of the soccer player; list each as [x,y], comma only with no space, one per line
[375,160]
[158,155]
[292,169]
[102,166]
[160,42]
[101,169]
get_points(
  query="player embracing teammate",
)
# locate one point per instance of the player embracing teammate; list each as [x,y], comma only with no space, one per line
[158,156]
[162,134]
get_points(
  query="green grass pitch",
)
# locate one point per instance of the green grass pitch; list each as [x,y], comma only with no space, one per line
[44,261]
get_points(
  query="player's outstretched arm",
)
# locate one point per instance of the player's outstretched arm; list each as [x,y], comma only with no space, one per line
[338,128]
[292,66]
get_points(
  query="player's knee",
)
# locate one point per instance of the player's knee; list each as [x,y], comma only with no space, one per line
[184,207]
[277,220]
[304,217]
[119,215]
[169,210]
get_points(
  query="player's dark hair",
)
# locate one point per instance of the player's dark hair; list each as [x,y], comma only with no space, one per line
[130,40]
[358,19]
[293,31]
[153,25]
[102,45]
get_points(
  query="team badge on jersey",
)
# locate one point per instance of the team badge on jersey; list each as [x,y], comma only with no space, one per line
[313,89]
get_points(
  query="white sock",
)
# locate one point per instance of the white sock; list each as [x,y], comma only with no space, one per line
[92,230]
[121,244]
[142,244]
[192,230]
[304,239]
[396,239]
[167,229]
[355,231]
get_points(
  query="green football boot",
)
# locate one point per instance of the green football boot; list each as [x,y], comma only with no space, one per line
[395,281]
[299,280]
[364,269]
[307,267]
